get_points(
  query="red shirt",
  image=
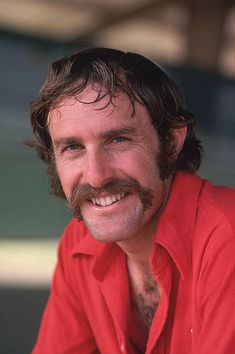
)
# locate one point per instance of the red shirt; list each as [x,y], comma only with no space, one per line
[193,259]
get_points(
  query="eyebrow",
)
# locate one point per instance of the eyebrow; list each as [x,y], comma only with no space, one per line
[117,132]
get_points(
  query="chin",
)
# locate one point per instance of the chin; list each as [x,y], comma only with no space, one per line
[118,225]
[106,235]
[111,233]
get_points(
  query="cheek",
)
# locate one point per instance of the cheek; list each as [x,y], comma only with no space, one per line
[67,176]
[141,167]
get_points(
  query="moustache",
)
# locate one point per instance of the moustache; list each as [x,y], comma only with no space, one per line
[113,186]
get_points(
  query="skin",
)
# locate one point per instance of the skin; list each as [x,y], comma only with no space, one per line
[93,144]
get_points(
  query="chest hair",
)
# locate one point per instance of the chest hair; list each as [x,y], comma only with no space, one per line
[145,297]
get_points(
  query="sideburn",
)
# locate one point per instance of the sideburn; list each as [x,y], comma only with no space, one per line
[55,186]
[167,158]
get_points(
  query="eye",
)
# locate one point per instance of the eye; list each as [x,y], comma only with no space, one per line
[119,139]
[72,147]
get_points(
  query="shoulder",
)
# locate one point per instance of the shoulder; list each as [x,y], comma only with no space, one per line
[225,199]
[214,232]
[217,204]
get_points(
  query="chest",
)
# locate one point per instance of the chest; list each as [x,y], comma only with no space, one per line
[145,297]
[107,304]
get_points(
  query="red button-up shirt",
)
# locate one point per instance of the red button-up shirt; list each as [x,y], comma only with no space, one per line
[193,259]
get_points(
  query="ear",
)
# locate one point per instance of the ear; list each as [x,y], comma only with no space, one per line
[179,135]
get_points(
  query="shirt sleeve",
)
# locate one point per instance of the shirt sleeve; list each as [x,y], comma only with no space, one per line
[216,295]
[64,328]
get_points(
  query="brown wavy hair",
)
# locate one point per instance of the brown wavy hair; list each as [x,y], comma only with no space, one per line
[140,79]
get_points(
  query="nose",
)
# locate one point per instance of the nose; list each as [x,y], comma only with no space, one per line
[97,169]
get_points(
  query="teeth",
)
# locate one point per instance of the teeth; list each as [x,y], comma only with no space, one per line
[109,201]
[104,201]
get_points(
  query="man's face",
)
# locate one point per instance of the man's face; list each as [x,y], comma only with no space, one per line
[109,155]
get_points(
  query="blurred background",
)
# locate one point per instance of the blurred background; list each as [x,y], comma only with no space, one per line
[193,40]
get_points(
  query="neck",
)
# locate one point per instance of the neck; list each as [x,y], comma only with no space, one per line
[138,249]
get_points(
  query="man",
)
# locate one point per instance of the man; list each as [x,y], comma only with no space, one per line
[147,264]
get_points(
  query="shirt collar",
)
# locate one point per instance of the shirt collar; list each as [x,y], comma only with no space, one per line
[175,226]
[103,253]
[87,244]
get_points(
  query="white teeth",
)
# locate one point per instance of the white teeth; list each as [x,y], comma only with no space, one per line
[104,201]
[108,200]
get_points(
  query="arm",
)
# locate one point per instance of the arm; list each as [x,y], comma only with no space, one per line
[216,295]
[64,327]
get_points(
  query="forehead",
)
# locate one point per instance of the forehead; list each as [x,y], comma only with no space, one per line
[94,104]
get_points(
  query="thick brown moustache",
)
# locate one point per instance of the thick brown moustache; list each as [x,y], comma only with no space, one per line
[113,186]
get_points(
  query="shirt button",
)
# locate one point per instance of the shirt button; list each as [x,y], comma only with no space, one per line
[122,348]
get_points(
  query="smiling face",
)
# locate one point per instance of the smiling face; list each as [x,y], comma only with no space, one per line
[106,161]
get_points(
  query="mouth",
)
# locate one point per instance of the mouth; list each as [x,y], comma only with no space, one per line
[108,200]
